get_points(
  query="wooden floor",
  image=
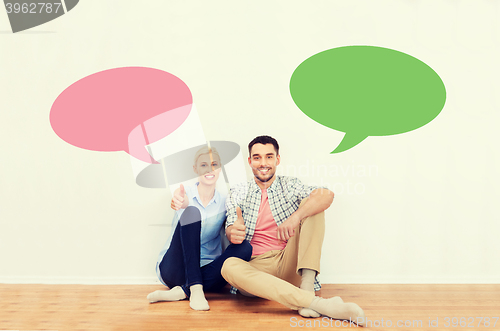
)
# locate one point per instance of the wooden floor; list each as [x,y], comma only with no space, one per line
[124,307]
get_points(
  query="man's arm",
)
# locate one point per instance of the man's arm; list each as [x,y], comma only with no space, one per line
[319,200]
[235,227]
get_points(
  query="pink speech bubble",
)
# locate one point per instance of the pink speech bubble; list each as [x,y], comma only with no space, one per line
[121,109]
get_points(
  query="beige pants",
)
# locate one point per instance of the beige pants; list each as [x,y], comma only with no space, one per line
[275,275]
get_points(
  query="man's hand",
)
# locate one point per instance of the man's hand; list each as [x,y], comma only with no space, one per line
[287,229]
[237,231]
[180,199]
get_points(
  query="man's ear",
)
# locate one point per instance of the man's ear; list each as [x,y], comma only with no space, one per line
[249,162]
[278,159]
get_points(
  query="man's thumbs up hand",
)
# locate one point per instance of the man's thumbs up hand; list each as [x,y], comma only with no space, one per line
[240,219]
[237,233]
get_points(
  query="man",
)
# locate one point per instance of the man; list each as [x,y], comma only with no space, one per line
[284,222]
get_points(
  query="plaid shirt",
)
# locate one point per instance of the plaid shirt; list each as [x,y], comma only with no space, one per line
[284,194]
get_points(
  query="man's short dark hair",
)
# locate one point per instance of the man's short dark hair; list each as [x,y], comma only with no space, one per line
[264,140]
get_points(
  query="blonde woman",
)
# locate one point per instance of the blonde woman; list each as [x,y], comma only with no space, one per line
[191,260]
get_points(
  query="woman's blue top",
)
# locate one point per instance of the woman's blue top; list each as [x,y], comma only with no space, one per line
[212,218]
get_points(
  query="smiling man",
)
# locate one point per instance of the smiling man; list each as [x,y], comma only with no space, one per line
[284,221]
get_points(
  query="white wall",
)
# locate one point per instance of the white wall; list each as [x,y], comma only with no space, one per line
[424,212]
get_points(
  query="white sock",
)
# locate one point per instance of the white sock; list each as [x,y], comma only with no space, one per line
[197,299]
[174,294]
[337,310]
[308,277]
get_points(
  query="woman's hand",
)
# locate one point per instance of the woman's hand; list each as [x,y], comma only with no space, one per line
[180,199]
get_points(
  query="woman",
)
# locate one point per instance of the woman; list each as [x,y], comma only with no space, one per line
[191,261]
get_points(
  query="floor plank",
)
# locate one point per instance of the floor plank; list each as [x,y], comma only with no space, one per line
[124,307]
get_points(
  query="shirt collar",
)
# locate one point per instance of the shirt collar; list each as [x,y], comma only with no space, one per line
[274,185]
[254,187]
[215,199]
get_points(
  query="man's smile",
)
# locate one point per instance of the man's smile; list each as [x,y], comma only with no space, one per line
[264,171]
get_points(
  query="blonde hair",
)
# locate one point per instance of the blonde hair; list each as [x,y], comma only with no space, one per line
[206,150]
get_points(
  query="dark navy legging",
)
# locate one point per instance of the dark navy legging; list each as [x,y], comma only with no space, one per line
[180,265]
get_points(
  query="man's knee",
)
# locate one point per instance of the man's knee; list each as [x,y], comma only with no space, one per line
[229,265]
[320,215]
[317,218]
[303,202]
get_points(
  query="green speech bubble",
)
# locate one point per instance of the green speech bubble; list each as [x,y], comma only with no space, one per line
[367,91]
